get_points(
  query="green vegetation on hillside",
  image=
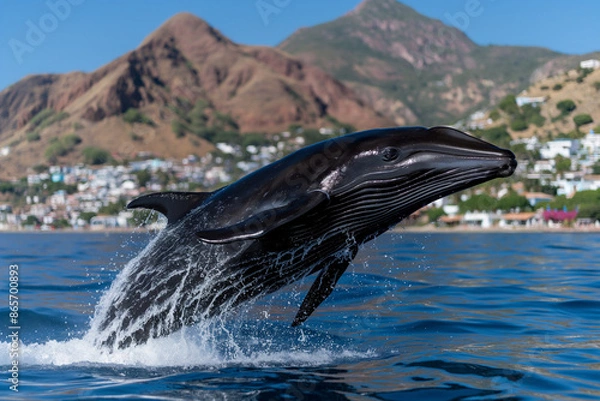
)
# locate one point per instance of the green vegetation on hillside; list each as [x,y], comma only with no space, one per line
[582,119]
[487,203]
[61,146]
[133,115]
[45,118]
[520,117]
[499,136]
[565,107]
[94,155]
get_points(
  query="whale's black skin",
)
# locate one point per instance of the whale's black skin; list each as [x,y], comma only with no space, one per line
[306,213]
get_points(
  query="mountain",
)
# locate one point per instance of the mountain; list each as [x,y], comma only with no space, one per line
[167,96]
[412,68]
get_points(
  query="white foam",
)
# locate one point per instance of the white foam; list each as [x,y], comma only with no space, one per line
[180,349]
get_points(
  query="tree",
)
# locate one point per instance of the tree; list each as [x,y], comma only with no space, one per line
[178,128]
[133,115]
[582,119]
[512,201]
[518,124]
[563,164]
[32,221]
[509,105]
[435,213]
[566,106]
[481,202]
[497,135]
[113,208]
[143,176]
[87,216]
[94,155]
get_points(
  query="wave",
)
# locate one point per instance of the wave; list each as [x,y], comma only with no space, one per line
[209,345]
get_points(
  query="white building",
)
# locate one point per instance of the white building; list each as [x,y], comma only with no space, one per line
[564,147]
[592,63]
[568,186]
[591,144]
[480,219]
[532,100]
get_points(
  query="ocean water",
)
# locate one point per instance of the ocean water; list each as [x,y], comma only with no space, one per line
[441,316]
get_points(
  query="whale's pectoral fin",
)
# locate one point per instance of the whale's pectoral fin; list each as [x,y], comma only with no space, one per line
[174,205]
[261,223]
[322,287]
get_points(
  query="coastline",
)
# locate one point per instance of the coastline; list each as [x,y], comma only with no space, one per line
[427,229]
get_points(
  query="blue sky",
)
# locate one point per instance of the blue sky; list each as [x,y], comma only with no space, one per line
[85,34]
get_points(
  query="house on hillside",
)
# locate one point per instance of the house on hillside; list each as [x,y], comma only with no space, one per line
[535,101]
[591,145]
[591,63]
[564,147]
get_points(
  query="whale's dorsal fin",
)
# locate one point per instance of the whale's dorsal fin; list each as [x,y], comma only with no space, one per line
[263,222]
[323,286]
[174,205]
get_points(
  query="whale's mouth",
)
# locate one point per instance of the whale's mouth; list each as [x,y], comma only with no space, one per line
[508,168]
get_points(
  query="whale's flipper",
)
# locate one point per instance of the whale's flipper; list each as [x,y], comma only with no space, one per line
[174,205]
[261,223]
[323,286]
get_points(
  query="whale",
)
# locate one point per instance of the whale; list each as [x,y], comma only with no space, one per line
[305,214]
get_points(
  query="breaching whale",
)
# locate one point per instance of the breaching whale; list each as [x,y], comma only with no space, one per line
[307,213]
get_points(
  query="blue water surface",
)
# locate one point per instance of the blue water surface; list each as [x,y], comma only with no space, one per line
[443,316]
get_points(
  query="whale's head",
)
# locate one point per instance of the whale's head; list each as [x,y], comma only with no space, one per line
[395,171]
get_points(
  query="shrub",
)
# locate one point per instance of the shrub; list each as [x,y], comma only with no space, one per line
[434,214]
[497,135]
[538,120]
[512,200]
[509,105]
[70,141]
[143,177]
[55,150]
[135,137]
[566,106]
[494,115]
[32,136]
[563,164]
[482,203]
[597,85]
[94,155]
[135,116]
[582,119]
[40,117]
[178,128]
[518,124]
[557,87]
[87,216]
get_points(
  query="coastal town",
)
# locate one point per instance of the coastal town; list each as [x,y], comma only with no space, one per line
[83,197]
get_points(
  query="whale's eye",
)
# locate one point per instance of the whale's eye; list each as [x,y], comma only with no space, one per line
[390,154]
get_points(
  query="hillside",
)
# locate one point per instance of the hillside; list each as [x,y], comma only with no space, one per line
[184,83]
[567,95]
[412,68]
